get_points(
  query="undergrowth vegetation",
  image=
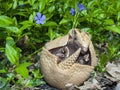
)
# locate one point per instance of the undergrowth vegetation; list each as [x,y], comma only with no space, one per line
[26,25]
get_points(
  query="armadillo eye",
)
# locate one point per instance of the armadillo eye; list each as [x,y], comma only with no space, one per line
[75,38]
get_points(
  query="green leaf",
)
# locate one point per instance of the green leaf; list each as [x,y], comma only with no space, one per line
[5,21]
[37,74]
[2,49]
[108,22]
[34,82]
[22,69]
[12,54]
[64,21]
[29,83]
[42,5]
[50,23]
[10,41]
[3,71]
[112,51]
[13,29]
[51,9]
[92,3]
[10,76]
[3,82]
[26,24]
[103,59]
[31,18]
[14,4]
[31,2]
[51,34]
[113,28]
[38,82]
[118,16]
[48,1]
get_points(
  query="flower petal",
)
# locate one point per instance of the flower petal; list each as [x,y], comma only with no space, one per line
[42,22]
[39,15]
[81,7]
[72,11]
[38,22]
[35,18]
[43,17]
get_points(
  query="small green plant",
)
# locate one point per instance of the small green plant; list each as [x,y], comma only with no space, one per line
[110,53]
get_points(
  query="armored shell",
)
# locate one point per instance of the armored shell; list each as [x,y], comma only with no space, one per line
[68,60]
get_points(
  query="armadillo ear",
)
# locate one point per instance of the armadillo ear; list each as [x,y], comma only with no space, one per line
[59,42]
[72,33]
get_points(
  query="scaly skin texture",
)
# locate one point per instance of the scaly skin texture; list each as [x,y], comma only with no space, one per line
[68,71]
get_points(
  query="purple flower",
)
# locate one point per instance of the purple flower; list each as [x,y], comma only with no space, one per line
[72,11]
[81,7]
[39,18]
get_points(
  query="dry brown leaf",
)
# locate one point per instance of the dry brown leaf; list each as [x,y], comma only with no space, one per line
[90,85]
[113,69]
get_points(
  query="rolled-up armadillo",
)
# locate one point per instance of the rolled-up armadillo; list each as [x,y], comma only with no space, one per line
[68,60]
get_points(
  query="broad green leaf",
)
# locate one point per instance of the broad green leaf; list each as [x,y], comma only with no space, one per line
[10,41]
[50,23]
[5,21]
[98,13]
[101,16]
[26,64]
[15,21]
[26,24]
[118,5]
[42,5]
[51,9]
[31,18]
[91,3]
[12,54]
[84,12]
[31,2]
[108,22]
[51,34]
[64,21]
[22,69]
[3,71]
[113,28]
[14,4]
[13,29]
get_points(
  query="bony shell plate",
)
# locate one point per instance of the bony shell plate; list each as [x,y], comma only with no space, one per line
[68,60]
